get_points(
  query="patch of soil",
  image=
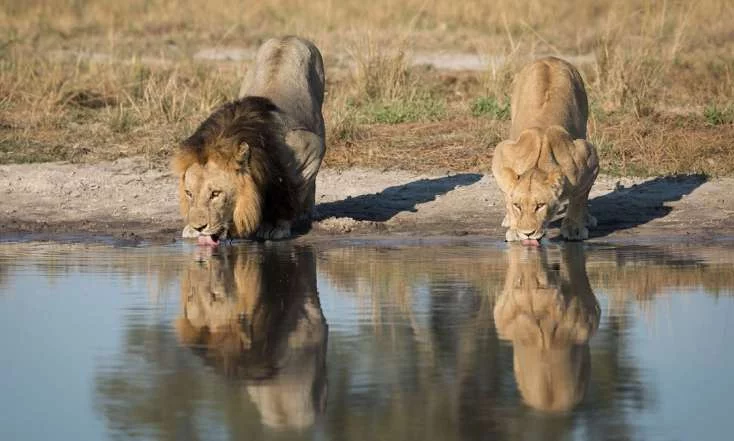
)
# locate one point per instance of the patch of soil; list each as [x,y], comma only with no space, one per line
[129,202]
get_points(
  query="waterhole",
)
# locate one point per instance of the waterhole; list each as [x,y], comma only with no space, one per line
[366,340]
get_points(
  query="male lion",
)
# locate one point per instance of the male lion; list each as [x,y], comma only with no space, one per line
[250,168]
[549,316]
[547,162]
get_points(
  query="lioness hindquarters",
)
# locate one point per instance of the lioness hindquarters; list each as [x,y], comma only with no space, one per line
[549,92]
[547,162]
[250,168]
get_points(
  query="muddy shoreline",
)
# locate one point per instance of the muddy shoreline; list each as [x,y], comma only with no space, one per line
[129,202]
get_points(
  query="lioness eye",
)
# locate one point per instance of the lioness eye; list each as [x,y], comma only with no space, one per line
[215,194]
[518,206]
[188,194]
[539,206]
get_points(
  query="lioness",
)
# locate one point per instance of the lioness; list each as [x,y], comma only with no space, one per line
[250,168]
[549,316]
[547,162]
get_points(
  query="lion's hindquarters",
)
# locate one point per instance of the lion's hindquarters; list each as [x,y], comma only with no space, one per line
[547,92]
[290,72]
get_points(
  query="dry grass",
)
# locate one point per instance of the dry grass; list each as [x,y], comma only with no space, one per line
[92,80]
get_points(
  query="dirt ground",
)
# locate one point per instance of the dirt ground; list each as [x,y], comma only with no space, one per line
[129,201]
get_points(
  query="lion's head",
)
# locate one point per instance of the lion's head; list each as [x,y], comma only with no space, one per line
[229,172]
[534,178]
[533,202]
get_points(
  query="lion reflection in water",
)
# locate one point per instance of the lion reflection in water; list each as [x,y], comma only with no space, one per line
[549,316]
[254,315]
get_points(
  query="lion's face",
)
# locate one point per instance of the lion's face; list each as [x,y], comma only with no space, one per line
[533,202]
[208,201]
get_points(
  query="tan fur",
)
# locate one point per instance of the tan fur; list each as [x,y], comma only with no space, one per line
[547,162]
[243,317]
[290,72]
[262,152]
[549,317]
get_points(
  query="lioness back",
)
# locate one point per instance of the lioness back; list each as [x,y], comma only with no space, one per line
[549,92]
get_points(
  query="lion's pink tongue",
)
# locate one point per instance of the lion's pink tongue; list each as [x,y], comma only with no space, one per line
[208,241]
[531,242]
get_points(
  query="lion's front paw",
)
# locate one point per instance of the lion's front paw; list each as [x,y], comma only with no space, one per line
[512,235]
[573,231]
[270,232]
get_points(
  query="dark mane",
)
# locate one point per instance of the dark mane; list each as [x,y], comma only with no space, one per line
[249,120]
[245,136]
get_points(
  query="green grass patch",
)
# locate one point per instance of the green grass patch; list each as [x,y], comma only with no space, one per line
[716,115]
[492,107]
[403,111]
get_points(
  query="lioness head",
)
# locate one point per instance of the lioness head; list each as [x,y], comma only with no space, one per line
[533,201]
[227,168]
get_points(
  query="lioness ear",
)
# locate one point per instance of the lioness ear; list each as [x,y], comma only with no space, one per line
[508,177]
[243,156]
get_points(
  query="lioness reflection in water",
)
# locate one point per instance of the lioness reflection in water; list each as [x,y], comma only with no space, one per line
[254,314]
[549,316]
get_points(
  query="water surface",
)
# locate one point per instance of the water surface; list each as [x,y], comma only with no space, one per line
[369,340]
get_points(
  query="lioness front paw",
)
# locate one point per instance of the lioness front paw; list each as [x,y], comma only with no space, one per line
[572,231]
[512,235]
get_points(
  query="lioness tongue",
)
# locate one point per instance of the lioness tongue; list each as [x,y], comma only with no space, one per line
[531,242]
[208,241]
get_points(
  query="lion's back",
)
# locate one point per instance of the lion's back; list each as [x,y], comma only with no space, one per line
[290,72]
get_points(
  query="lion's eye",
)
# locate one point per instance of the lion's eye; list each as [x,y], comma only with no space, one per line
[215,194]
[518,206]
[539,207]
[188,194]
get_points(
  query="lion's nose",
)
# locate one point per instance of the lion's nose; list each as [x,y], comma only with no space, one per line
[528,233]
[199,228]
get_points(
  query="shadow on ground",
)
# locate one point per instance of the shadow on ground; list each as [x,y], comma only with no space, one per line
[639,204]
[380,207]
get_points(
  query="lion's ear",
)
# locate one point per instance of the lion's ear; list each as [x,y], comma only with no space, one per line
[244,153]
[508,177]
